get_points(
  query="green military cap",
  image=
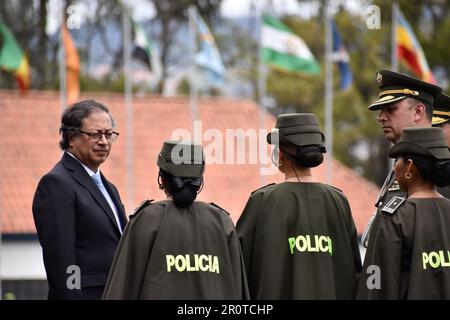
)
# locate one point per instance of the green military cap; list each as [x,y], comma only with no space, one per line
[441,110]
[396,86]
[182,159]
[301,129]
[427,142]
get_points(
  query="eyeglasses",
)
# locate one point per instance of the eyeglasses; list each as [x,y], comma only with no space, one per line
[96,136]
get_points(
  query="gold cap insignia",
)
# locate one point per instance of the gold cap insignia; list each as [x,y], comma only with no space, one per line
[379,79]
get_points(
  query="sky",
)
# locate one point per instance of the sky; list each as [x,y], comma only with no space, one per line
[143,9]
[229,8]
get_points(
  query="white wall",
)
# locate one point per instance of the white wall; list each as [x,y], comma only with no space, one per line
[21,260]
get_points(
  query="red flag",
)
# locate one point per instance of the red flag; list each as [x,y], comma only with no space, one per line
[410,52]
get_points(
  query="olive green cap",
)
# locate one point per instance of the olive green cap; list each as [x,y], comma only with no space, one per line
[300,129]
[396,86]
[182,159]
[441,110]
[427,142]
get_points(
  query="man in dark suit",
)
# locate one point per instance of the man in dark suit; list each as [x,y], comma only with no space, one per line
[78,214]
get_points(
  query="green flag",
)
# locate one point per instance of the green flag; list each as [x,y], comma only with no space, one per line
[282,49]
[12,58]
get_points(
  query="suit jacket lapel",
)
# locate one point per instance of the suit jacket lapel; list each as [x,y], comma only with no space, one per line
[116,199]
[80,175]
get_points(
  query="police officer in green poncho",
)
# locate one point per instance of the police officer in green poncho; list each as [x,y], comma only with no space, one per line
[298,237]
[409,251]
[178,248]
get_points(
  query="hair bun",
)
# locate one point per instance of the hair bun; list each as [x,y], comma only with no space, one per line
[310,156]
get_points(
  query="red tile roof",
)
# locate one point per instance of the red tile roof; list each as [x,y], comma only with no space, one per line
[29,148]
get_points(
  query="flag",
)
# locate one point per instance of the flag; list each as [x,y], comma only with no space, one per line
[409,50]
[72,67]
[281,48]
[144,51]
[12,58]
[208,56]
[341,58]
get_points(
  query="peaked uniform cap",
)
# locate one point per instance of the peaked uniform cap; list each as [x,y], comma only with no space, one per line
[427,142]
[397,86]
[441,110]
[182,159]
[300,129]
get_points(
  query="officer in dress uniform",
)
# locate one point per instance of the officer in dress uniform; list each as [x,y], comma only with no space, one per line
[403,102]
[441,119]
[409,250]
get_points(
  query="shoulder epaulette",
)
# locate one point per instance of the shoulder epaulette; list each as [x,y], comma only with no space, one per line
[139,209]
[217,206]
[270,184]
[393,204]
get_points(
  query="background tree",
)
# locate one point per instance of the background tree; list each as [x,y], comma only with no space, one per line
[358,140]
[29,31]
[170,15]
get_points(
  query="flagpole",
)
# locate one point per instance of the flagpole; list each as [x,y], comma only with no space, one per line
[394,58]
[128,104]
[62,66]
[193,90]
[328,94]
[262,81]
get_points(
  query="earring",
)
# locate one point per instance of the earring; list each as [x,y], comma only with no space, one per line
[276,162]
[160,184]
[408,175]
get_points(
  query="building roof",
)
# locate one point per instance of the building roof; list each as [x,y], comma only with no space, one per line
[29,149]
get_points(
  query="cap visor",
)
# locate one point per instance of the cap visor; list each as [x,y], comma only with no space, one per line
[377,105]
[409,148]
[438,120]
[275,138]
